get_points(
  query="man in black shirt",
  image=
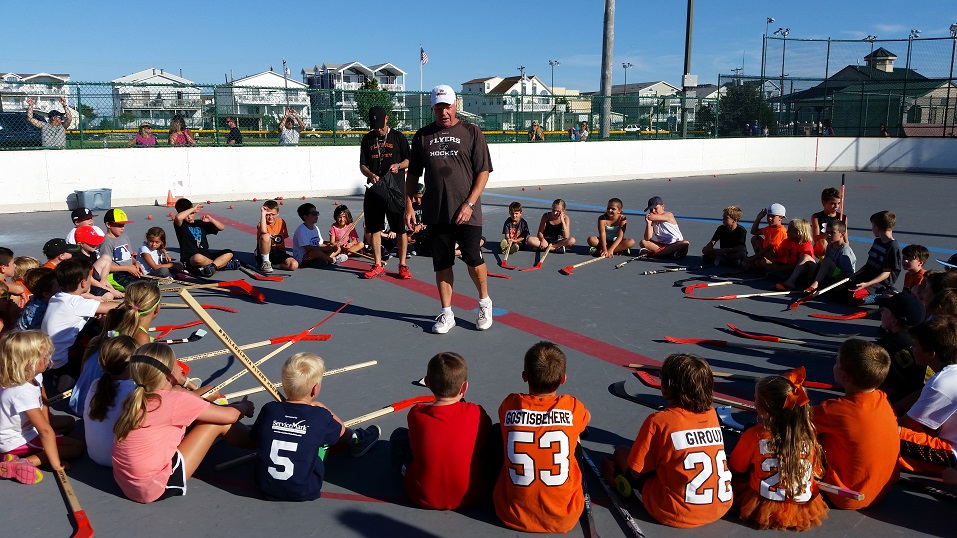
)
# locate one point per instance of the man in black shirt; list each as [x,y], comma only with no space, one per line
[384,151]
[235,136]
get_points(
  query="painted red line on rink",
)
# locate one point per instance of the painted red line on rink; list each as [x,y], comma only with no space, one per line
[584,344]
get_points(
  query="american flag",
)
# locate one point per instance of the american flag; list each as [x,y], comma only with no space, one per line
[423,57]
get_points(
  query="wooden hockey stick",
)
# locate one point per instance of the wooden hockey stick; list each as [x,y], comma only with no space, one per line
[241,286]
[229,343]
[780,340]
[83,527]
[816,293]
[570,269]
[589,516]
[255,274]
[391,408]
[335,371]
[655,383]
[612,496]
[163,330]
[254,345]
[673,269]
[508,250]
[370,258]
[690,288]
[352,226]
[744,345]
[743,377]
[205,306]
[538,265]
[740,296]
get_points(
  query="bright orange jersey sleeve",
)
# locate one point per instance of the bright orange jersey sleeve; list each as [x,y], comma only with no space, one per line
[691,484]
[774,236]
[540,486]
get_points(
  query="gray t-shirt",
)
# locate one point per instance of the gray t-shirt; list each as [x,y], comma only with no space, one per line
[450,159]
[118,248]
[53,137]
[289,137]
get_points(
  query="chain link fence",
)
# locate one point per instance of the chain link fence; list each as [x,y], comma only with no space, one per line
[112,114]
[898,87]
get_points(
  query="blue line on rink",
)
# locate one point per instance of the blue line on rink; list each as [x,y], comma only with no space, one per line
[495,311]
[593,207]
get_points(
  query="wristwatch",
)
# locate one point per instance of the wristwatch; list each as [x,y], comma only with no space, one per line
[470,203]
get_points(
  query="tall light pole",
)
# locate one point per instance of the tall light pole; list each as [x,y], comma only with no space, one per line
[521,69]
[626,65]
[950,80]
[551,89]
[764,50]
[783,32]
[914,34]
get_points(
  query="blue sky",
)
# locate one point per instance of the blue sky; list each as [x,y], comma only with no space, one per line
[100,40]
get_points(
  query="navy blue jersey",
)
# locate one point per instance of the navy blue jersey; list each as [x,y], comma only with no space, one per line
[289,438]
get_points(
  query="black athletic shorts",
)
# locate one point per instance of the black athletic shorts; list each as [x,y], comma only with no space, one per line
[211,254]
[376,210]
[444,237]
[277,255]
[176,485]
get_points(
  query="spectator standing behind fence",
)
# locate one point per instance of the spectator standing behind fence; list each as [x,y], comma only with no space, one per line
[144,137]
[288,130]
[884,131]
[536,132]
[179,134]
[235,135]
[583,132]
[53,132]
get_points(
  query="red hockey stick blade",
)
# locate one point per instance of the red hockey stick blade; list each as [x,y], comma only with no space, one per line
[496,275]
[217,307]
[244,287]
[843,317]
[535,267]
[690,288]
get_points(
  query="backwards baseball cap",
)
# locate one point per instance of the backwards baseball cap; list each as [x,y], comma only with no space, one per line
[81,213]
[951,262]
[777,210]
[654,201]
[377,117]
[116,216]
[54,114]
[907,308]
[443,94]
[88,235]
[57,246]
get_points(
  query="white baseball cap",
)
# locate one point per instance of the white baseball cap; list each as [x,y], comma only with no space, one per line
[777,210]
[443,94]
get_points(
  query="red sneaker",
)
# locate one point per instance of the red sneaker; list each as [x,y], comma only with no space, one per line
[404,272]
[377,270]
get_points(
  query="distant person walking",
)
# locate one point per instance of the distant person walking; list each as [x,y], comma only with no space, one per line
[456,161]
[52,132]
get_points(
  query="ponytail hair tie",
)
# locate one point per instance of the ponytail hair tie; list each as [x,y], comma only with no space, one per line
[134,308]
[112,334]
[798,396]
[141,386]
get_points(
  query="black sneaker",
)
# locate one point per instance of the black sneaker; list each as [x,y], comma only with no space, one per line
[231,265]
[363,439]
[207,270]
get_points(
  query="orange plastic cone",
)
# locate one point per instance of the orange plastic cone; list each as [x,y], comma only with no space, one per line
[169,199]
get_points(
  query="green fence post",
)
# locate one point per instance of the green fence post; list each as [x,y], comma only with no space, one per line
[216,115]
[79,107]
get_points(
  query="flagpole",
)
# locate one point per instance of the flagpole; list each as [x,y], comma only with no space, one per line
[421,113]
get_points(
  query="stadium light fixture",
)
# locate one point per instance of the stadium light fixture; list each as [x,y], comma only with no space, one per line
[626,66]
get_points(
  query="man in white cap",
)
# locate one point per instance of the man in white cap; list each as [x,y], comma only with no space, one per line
[454,156]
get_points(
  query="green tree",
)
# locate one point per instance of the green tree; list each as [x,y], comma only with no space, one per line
[87,114]
[740,106]
[126,118]
[704,118]
[368,96]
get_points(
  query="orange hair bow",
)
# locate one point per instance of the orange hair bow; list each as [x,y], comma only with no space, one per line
[798,396]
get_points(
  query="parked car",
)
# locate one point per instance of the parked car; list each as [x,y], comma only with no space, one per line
[632,128]
[16,131]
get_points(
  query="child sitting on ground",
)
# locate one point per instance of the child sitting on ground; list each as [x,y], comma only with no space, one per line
[22,264]
[440,453]
[780,456]
[662,236]
[905,379]
[7,271]
[28,432]
[728,244]
[765,241]
[611,238]
[152,458]
[42,285]
[913,258]
[104,401]
[303,431]
[838,262]
[66,314]
[271,235]
[307,246]
[831,200]
[795,248]
[122,266]
[419,240]
[193,243]
[343,233]
[929,430]
[81,216]
[540,486]
[660,456]
[858,431]
[515,229]
[155,259]
[554,230]
[883,261]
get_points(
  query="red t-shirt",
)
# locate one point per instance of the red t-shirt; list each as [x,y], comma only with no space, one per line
[446,441]
[860,438]
[540,486]
[690,484]
[789,252]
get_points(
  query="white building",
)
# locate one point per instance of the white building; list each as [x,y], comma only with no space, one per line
[259,101]
[510,102]
[45,88]
[155,95]
[339,105]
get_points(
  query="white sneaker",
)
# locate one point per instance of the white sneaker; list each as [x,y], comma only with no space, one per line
[341,258]
[443,323]
[265,267]
[484,320]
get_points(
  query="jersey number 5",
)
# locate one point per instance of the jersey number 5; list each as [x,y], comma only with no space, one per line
[555,441]
[703,460]
[282,467]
